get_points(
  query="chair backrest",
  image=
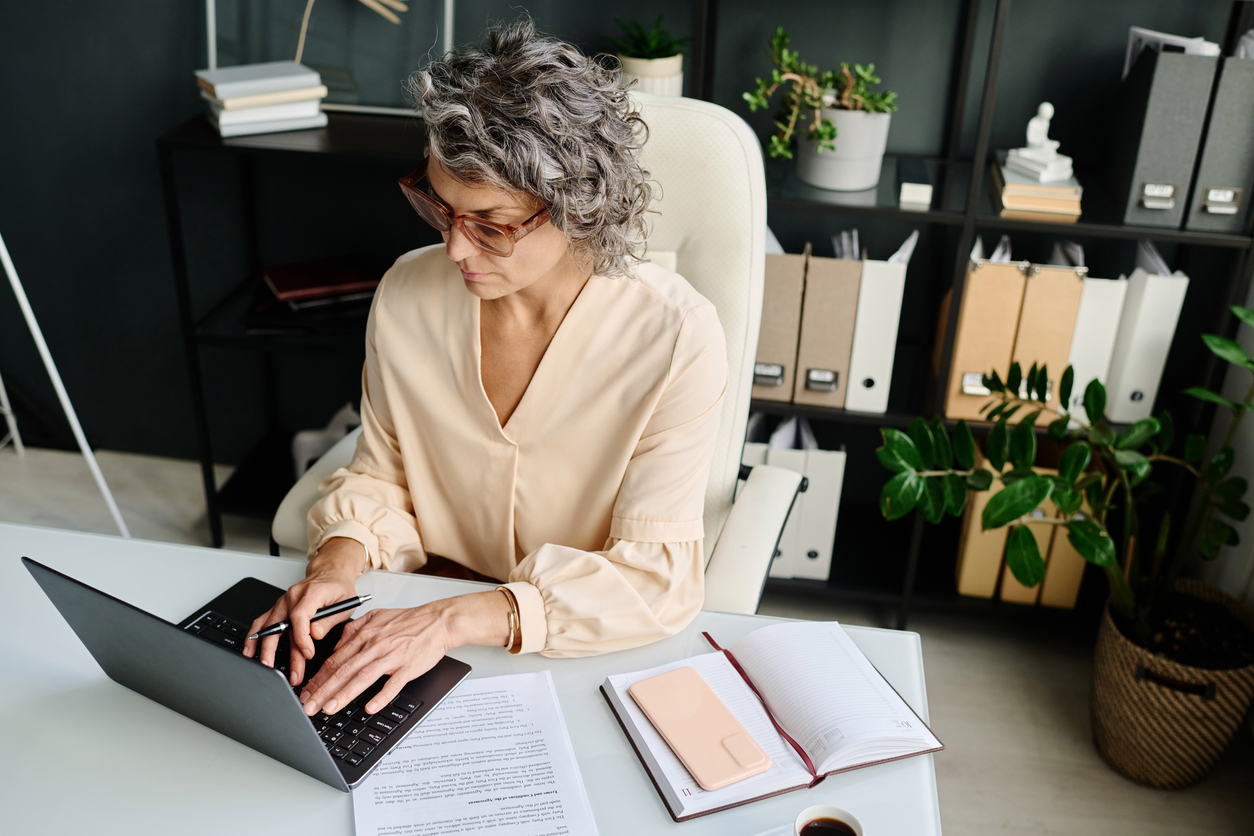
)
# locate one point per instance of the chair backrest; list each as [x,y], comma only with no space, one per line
[710,227]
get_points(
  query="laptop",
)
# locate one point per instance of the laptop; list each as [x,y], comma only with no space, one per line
[196,668]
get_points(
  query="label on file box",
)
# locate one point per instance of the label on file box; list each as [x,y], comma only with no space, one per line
[768,374]
[1158,196]
[1222,201]
[827,325]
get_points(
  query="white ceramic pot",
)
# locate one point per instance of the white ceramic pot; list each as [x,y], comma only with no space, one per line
[861,138]
[660,76]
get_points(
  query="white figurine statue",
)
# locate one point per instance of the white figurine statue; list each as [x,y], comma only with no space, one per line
[1040,159]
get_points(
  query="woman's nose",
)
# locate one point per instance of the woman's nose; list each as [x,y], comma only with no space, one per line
[458,245]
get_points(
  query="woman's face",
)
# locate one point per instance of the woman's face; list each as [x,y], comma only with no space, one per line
[541,255]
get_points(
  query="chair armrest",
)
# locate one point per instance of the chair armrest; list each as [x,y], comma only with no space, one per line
[290,521]
[737,570]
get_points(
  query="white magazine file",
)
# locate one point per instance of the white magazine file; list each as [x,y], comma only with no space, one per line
[1093,341]
[875,336]
[1146,328]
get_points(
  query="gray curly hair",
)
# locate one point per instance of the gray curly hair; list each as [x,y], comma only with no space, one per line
[535,115]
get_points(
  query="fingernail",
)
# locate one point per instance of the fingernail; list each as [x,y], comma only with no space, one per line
[330,707]
[309,654]
[295,681]
[372,707]
[304,696]
[268,663]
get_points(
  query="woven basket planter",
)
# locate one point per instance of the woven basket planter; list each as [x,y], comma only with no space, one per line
[1160,723]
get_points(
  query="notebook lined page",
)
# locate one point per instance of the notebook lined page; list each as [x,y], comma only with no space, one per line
[823,691]
[786,769]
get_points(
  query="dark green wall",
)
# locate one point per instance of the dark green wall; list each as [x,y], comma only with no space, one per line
[86,89]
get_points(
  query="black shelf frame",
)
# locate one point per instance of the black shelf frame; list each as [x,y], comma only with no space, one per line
[961,204]
[962,201]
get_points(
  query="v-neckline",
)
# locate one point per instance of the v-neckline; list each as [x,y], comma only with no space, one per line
[514,421]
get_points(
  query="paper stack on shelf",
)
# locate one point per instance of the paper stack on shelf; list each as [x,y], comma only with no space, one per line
[1020,196]
[263,98]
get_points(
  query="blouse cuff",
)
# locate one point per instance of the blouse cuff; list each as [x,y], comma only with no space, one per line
[535,626]
[352,530]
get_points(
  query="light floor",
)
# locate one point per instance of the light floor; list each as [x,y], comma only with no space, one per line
[1010,702]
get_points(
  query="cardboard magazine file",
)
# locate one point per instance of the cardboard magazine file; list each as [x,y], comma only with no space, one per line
[776,361]
[1044,533]
[1064,570]
[875,326]
[979,551]
[827,323]
[1051,300]
[984,340]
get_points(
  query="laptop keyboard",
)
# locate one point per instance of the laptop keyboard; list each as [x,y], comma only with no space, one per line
[350,734]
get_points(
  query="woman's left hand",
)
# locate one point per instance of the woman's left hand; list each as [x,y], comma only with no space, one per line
[402,645]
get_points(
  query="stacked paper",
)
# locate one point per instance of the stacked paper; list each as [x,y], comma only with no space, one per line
[263,98]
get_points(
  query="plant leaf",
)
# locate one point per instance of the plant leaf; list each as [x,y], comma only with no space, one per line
[1218,533]
[1023,556]
[1194,448]
[900,495]
[922,438]
[944,450]
[1232,490]
[1030,381]
[1014,501]
[1068,502]
[1101,435]
[1219,466]
[1133,462]
[898,452]
[1074,460]
[1042,384]
[1023,442]
[1207,395]
[1137,434]
[998,446]
[1095,400]
[1236,510]
[1017,473]
[956,493]
[1093,544]
[964,446]
[979,480]
[1014,380]
[932,499]
[1229,350]
[1087,480]
[1167,430]
[1064,389]
[1244,314]
[992,382]
[1058,427]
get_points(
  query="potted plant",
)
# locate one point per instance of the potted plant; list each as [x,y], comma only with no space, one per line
[835,105]
[1174,665]
[651,58]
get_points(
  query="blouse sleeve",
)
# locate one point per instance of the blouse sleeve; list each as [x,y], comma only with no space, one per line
[648,581]
[368,501]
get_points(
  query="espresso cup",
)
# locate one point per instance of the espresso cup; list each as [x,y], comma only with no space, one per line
[826,811]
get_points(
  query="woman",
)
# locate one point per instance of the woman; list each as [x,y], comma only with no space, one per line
[539,405]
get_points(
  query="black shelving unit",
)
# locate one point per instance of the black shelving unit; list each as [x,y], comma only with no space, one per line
[960,210]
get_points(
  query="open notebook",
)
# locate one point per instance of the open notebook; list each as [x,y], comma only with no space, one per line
[823,693]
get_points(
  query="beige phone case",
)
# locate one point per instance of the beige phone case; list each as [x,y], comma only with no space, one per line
[701,731]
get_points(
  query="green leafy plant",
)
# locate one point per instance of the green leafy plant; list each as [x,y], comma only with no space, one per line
[806,91]
[1103,483]
[647,43]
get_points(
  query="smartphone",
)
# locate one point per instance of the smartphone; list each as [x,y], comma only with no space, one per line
[701,731]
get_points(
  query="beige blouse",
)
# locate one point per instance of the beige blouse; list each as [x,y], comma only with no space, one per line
[589,499]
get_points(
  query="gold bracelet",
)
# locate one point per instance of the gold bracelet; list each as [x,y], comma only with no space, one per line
[515,631]
[509,617]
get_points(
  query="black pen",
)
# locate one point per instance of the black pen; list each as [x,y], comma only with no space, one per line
[351,603]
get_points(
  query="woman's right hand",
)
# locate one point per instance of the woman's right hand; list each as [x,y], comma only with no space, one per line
[330,577]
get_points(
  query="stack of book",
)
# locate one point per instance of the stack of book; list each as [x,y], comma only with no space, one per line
[263,98]
[1016,195]
[326,294]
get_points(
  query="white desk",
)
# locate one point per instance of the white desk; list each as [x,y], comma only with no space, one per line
[85,755]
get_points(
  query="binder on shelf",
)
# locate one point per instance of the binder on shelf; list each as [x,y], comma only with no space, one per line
[827,326]
[1157,125]
[984,339]
[1093,339]
[775,362]
[789,553]
[874,344]
[816,531]
[1146,328]
[979,551]
[1051,300]
[1225,173]
[1064,570]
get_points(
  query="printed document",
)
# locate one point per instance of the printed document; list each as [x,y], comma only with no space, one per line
[495,757]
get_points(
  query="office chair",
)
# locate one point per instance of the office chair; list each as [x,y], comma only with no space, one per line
[710,227]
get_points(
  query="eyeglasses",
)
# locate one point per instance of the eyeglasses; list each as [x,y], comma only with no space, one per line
[494,238]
